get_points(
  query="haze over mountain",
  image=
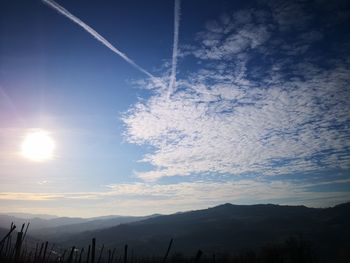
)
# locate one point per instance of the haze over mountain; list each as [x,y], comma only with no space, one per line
[55,227]
[39,223]
[88,225]
[30,216]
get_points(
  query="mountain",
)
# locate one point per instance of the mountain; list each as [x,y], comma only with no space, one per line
[62,231]
[228,228]
[31,216]
[39,223]
[58,228]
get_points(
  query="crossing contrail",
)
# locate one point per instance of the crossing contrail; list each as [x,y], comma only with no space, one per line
[100,38]
[177,13]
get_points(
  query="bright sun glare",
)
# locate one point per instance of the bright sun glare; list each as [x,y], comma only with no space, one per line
[38,146]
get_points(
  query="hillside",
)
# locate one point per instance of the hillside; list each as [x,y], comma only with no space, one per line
[37,222]
[229,228]
[51,227]
[65,230]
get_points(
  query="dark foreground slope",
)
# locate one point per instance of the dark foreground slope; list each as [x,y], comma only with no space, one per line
[230,228]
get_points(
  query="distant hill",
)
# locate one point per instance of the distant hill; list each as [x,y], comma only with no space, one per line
[59,227]
[30,216]
[222,229]
[90,224]
[228,228]
[39,223]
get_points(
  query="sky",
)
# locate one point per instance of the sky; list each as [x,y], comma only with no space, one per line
[165,106]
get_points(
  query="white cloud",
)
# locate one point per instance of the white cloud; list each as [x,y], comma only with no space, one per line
[20,196]
[290,15]
[225,129]
[225,118]
[224,38]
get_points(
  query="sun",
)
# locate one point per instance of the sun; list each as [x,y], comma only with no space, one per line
[38,146]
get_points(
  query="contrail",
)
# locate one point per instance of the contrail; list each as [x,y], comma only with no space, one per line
[100,38]
[177,13]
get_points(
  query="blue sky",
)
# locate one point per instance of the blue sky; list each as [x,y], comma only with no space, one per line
[258,111]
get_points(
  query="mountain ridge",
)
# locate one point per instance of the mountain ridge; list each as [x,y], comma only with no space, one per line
[227,228]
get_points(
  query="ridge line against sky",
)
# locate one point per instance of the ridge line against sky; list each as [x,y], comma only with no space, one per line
[101,39]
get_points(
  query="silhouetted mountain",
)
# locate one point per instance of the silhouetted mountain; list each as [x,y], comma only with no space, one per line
[58,228]
[90,224]
[229,228]
[39,223]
